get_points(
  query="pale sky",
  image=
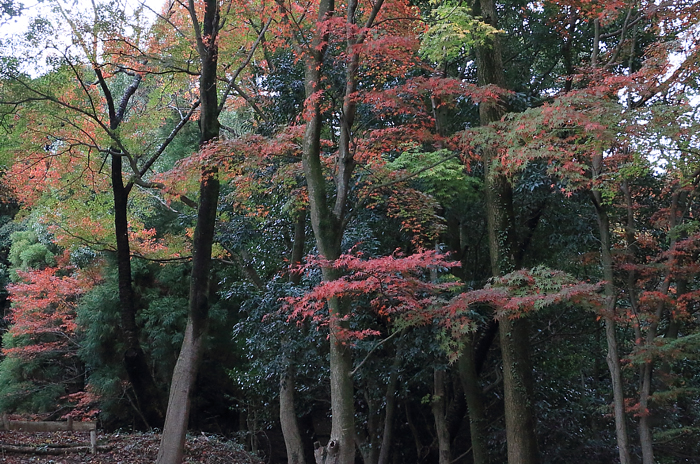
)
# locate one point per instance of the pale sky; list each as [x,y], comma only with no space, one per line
[32,8]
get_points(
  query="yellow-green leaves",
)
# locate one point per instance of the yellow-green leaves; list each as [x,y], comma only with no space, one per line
[453,32]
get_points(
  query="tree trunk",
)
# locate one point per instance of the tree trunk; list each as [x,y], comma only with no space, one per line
[288,420]
[297,247]
[327,227]
[390,411]
[478,426]
[288,417]
[517,387]
[136,366]
[645,371]
[135,362]
[341,447]
[185,373]
[187,366]
[613,357]
[439,407]
[517,371]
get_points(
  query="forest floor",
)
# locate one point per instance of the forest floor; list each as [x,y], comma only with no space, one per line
[116,448]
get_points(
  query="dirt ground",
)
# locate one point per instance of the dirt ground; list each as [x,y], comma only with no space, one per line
[117,448]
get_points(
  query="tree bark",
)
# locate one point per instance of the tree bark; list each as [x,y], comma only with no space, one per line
[185,373]
[613,356]
[288,417]
[288,420]
[478,426]
[135,362]
[147,393]
[439,407]
[517,371]
[187,366]
[390,411]
[327,227]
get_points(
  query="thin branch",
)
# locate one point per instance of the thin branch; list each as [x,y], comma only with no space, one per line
[241,93]
[147,165]
[617,32]
[625,26]
[243,261]
[167,20]
[245,63]
[380,343]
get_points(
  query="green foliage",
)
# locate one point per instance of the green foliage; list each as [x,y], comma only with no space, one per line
[453,32]
[275,344]
[441,174]
[19,389]
[37,384]
[9,9]
[27,252]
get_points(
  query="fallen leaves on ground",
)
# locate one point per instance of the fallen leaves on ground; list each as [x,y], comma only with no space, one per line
[118,448]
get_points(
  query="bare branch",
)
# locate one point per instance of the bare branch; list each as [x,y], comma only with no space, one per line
[232,80]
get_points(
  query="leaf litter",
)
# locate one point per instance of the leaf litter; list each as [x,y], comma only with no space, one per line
[18,447]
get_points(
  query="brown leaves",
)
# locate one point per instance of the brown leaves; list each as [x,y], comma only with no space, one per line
[119,448]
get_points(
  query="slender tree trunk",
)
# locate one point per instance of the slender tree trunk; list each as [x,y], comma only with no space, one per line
[517,370]
[439,407]
[367,438]
[645,371]
[288,417]
[613,357]
[187,366]
[478,426]
[390,411]
[135,363]
[288,420]
[297,247]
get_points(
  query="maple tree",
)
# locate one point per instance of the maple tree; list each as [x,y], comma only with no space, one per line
[40,348]
[88,120]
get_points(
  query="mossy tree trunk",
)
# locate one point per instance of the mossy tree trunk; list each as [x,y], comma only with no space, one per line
[517,371]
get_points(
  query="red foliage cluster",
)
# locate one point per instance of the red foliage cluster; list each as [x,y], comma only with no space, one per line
[43,310]
[396,287]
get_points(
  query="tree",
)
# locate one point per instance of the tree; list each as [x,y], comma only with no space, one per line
[89,119]
[206,28]
[41,367]
[517,370]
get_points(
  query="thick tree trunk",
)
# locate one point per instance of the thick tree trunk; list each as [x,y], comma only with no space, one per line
[517,387]
[327,227]
[341,447]
[478,426]
[171,448]
[145,389]
[517,371]
[645,436]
